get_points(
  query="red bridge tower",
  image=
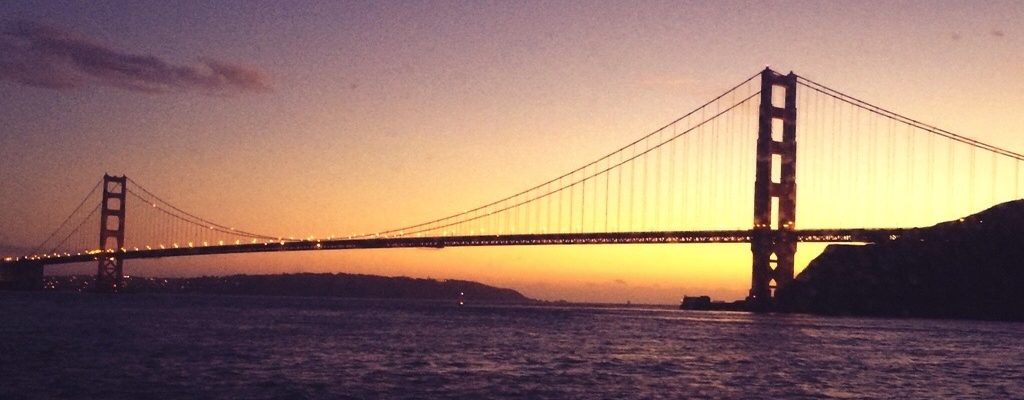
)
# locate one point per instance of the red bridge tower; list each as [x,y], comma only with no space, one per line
[773,240]
[110,272]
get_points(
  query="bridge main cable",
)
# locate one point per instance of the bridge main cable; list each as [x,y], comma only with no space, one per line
[67,219]
[413,229]
[825,90]
[585,178]
[189,217]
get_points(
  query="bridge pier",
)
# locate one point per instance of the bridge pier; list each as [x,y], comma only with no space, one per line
[773,240]
[26,275]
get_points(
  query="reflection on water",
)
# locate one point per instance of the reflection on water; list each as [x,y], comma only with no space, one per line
[141,346]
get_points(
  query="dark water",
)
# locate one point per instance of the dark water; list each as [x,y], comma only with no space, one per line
[166,346]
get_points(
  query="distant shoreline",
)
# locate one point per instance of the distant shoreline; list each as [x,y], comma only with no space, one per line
[304,285]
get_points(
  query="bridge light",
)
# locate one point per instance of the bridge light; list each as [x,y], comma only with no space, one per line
[189,244]
[221,242]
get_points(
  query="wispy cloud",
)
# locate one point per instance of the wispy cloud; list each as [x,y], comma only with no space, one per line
[38,55]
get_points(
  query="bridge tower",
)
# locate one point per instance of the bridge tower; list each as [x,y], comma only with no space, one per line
[110,273]
[773,240]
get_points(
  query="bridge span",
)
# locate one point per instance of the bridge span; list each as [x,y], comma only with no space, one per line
[867,175]
[731,236]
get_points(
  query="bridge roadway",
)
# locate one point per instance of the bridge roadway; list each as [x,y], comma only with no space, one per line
[717,236]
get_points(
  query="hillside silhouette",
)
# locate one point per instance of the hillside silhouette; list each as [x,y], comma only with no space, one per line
[968,268]
[311,284]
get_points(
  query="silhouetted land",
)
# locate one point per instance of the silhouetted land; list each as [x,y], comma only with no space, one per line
[307,284]
[704,303]
[969,268]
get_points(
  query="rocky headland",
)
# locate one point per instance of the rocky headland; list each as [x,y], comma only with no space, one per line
[967,268]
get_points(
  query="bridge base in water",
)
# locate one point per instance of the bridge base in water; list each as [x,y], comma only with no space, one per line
[21,276]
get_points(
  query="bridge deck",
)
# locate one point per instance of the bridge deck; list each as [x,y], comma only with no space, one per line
[722,236]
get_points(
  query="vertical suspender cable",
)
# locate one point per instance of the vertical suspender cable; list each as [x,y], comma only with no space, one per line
[913,192]
[644,198]
[992,184]
[931,178]
[657,184]
[672,181]
[970,177]
[618,194]
[607,191]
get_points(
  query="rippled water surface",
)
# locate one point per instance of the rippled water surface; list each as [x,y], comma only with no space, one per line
[55,345]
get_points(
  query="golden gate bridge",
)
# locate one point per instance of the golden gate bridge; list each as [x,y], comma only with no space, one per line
[868,174]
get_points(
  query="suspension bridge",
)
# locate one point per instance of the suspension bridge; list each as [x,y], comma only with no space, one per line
[866,175]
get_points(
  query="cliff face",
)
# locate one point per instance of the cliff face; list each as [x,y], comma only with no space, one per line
[969,268]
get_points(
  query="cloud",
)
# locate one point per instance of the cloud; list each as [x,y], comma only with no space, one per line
[38,55]
[620,281]
[998,33]
[955,36]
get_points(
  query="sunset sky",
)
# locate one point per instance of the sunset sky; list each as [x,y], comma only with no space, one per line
[319,118]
